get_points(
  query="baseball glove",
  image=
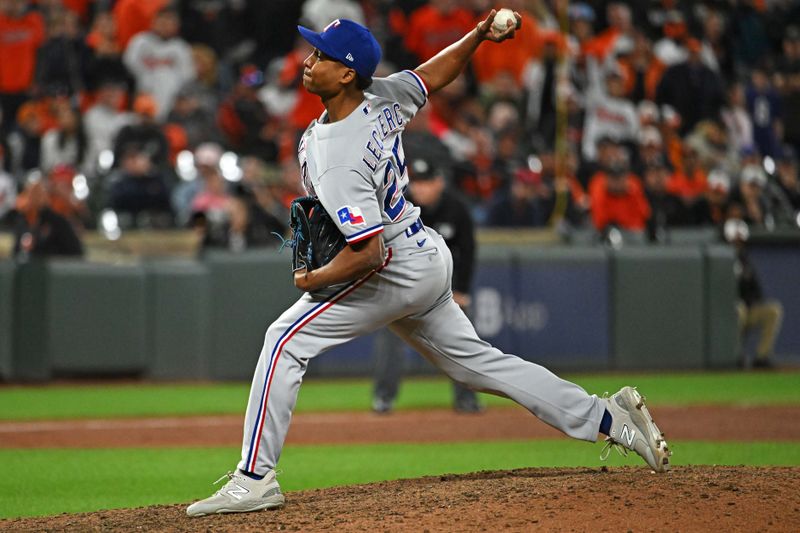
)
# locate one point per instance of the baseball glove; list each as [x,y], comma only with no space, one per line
[316,239]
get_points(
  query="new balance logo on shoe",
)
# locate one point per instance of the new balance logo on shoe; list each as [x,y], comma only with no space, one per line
[628,435]
[238,491]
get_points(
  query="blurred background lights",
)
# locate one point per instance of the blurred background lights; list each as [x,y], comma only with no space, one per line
[229,165]
[105,160]
[185,166]
[80,187]
[109,222]
[535,164]
[769,165]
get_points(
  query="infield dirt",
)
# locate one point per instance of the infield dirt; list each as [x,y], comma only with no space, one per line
[696,498]
[717,423]
[616,499]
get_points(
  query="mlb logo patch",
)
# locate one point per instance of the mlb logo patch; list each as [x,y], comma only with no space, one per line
[350,215]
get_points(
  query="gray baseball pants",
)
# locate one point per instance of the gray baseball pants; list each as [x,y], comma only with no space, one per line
[411,294]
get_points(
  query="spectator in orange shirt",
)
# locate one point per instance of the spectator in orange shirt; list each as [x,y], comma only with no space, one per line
[489,61]
[134,16]
[102,37]
[642,69]
[617,197]
[619,26]
[689,182]
[63,200]
[436,25]
[21,33]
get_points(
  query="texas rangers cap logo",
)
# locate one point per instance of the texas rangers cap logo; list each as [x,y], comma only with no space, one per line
[350,215]
[331,25]
[348,42]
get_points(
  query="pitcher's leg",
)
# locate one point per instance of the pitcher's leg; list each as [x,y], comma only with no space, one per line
[446,337]
[273,395]
[307,329]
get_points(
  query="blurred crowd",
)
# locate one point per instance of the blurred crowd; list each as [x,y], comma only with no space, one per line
[639,116]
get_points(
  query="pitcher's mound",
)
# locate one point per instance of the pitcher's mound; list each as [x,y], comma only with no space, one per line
[696,498]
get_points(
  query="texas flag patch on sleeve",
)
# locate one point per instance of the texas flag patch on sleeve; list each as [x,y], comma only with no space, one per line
[350,215]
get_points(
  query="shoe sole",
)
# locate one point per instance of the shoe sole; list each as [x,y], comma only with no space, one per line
[640,416]
[261,507]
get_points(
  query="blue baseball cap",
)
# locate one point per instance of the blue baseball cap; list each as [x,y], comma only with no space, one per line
[349,43]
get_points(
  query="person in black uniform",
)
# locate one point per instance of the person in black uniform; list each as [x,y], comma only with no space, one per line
[444,211]
[755,311]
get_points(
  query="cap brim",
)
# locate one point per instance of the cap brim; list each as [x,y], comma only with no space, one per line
[315,39]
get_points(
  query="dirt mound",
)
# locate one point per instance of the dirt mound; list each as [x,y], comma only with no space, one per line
[617,499]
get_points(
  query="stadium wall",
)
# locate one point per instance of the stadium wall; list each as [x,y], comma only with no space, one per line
[568,307]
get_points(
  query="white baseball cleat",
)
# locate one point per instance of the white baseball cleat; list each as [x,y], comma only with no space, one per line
[632,428]
[241,494]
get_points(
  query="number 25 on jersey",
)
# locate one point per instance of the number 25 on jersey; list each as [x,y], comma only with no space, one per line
[395,181]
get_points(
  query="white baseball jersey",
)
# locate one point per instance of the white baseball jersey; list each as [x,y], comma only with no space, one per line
[356,166]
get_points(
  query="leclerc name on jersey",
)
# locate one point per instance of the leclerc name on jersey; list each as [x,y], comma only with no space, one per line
[389,121]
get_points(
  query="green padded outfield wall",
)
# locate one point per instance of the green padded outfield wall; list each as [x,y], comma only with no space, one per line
[178,319]
[96,318]
[658,308]
[248,292]
[6,322]
[31,357]
[720,301]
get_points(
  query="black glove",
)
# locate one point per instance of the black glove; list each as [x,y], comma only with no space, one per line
[316,239]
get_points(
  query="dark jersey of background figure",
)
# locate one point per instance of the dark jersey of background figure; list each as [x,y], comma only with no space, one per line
[451,218]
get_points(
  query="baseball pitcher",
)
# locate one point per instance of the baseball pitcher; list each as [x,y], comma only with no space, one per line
[392,270]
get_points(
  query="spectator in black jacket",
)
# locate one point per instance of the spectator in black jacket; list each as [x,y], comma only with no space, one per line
[62,61]
[38,230]
[246,225]
[667,209]
[518,206]
[692,89]
[138,192]
[449,215]
[145,134]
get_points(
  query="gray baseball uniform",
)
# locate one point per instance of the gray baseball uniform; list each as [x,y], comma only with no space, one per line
[357,169]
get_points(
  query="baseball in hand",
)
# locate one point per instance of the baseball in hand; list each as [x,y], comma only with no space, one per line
[501,19]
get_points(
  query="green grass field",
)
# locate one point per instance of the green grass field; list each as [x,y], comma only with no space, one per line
[44,482]
[49,481]
[98,401]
